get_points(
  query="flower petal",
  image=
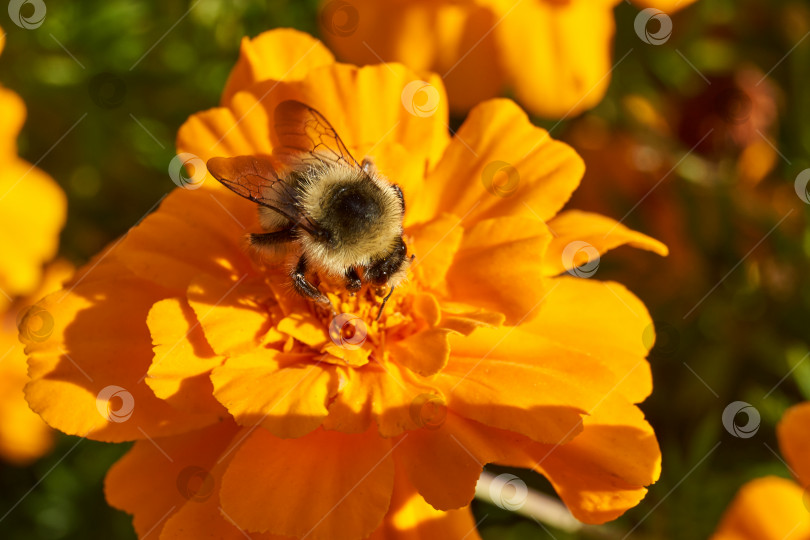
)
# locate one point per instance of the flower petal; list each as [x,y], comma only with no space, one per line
[206,519]
[427,308]
[283,54]
[225,132]
[549,387]
[769,508]
[98,351]
[183,359]
[412,518]
[794,441]
[23,435]
[444,462]
[235,317]
[567,45]
[352,475]
[31,197]
[612,325]
[602,472]
[285,393]
[425,352]
[434,243]
[14,111]
[156,477]
[191,234]
[385,395]
[464,319]
[498,267]
[499,164]
[598,233]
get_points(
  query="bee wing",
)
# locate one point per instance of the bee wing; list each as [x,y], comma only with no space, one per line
[255,179]
[305,137]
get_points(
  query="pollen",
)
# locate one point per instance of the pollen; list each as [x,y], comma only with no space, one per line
[356,336]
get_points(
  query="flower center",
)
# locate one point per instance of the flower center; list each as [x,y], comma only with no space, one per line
[357,336]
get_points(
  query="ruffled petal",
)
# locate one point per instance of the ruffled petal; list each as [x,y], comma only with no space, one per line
[549,388]
[96,357]
[281,55]
[580,237]
[157,478]
[499,164]
[612,325]
[183,359]
[331,485]
[434,244]
[412,518]
[206,519]
[382,393]
[225,132]
[794,441]
[603,472]
[464,319]
[425,352]
[235,317]
[193,232]
[497,267]
[769,508]
[285,393]
[444,462]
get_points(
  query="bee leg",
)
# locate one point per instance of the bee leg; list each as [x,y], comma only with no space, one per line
[272,238]
[303,286]
[353,283]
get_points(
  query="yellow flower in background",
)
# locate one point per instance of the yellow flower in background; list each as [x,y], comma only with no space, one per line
[32,209]
[32,212]
[274,421]
[774,508]
[555,55]
[24,437]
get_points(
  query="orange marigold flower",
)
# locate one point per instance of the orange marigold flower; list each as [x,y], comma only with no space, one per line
[774,508]
[32,211]
[554,54]
[195,346]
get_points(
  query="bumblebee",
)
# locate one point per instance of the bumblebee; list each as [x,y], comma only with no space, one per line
[344,217]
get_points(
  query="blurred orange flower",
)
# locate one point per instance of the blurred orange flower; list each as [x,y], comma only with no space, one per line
[774,508]
[32,211]
[555,55]
[289,424]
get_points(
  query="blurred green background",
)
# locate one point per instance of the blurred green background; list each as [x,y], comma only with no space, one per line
[727,209]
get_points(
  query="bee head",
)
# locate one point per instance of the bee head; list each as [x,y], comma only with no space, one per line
[391,268]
